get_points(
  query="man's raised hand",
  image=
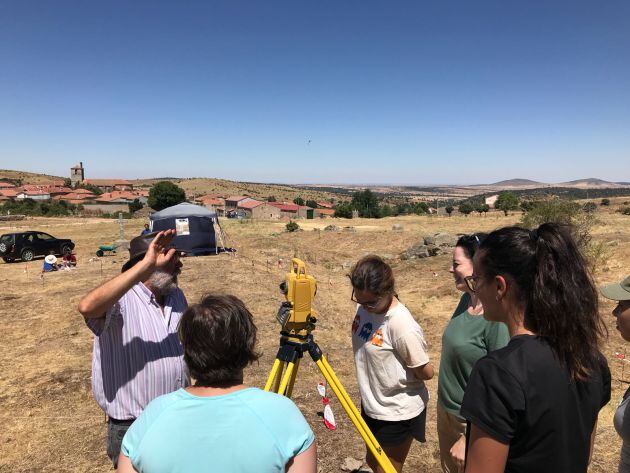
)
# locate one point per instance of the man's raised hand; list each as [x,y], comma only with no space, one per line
[159,252]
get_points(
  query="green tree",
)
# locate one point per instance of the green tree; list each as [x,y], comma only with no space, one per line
[135,206]
[343,210]
[506,201]
[420,208]
[449,209]
[465,208]
[298,201]
[165,194]
[271,198]
[366,203]
[312,204]
[67,182]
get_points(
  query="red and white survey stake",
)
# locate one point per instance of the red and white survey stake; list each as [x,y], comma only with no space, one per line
[329,418]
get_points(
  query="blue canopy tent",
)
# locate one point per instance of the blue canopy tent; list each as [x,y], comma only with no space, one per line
[198,229]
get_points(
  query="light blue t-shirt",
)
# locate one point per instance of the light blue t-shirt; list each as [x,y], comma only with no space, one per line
[243,431]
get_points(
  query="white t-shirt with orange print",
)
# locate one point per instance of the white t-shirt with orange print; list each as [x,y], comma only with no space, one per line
[386,348]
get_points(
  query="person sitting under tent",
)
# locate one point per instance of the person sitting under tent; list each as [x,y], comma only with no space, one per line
[146,230]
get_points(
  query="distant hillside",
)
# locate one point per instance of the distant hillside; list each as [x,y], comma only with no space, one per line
[199,186]
[573,192]
[590,183]
[518,183]
[28,177]
[524,184]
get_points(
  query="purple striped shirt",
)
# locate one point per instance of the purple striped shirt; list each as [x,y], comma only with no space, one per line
[137,354]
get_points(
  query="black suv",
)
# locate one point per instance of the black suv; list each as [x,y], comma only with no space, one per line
[27,245]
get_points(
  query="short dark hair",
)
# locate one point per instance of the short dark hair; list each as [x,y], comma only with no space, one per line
[555,286]
[219,337]
[373,274]
[471,243]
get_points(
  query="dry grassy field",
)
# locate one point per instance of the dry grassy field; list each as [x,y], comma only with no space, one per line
[50,421]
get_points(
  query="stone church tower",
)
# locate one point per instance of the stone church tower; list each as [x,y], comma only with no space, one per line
[77,175]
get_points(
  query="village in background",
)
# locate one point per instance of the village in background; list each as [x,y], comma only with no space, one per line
[80,196]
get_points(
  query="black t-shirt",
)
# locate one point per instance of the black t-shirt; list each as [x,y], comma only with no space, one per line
[521,395]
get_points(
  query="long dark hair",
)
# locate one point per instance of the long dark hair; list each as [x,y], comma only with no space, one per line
[555,286]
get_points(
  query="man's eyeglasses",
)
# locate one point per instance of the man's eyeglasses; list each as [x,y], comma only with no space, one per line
[471,282]
[368,305]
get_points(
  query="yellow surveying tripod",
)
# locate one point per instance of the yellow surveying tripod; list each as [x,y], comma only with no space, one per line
[298,320]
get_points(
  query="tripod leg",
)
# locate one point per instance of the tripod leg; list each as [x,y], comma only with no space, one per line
[292,380]
[286,378]
[354,415]
[273,381]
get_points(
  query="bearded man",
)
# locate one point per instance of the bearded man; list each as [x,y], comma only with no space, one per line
[134,317]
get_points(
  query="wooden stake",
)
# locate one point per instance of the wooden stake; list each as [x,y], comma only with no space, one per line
[623,365]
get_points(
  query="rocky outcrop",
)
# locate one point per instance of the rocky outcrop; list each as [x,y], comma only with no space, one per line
[430,245]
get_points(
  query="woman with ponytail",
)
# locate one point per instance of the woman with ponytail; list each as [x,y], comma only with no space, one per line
[533,405]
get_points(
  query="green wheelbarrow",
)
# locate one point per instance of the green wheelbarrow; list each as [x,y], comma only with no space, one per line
[106,249]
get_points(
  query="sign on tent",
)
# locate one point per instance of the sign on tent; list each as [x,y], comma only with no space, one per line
[182,226]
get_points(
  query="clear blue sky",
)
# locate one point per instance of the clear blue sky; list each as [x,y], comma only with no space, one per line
[387,92]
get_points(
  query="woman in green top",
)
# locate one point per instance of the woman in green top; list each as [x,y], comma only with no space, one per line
[468,337]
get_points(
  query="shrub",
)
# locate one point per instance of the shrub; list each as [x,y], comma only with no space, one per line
[135,206]
[343,210]
[566,212]
[605,202]
[46,208]
[420,208]
[449,209]
[386,211]
[292,226]
[298,201]
[526,205]
[589,207]
[92,188]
